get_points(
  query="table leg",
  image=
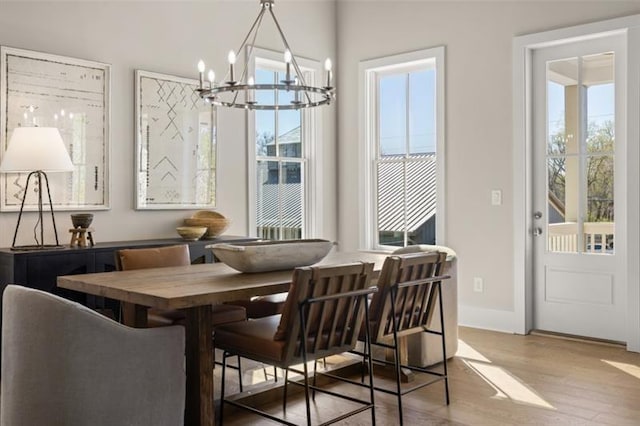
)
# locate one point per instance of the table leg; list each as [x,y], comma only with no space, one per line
[199,358]
[134,315]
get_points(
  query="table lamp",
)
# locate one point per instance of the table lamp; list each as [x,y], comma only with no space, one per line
[36,150]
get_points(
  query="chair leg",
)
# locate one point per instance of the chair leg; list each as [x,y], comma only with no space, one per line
[306,388]
[284,396]
[367,349]
[239,373]
[315,376]
[224,368]
[444,346]
[396,356]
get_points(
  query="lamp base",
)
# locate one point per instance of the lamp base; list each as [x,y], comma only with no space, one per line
[37,247]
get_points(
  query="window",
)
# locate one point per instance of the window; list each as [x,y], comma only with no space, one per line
[404,141]
[280,143]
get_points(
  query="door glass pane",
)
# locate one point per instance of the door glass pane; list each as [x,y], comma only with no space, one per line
[562,232]
[580,154]
[599,225]
[599,75]
[562,106]
[392,105]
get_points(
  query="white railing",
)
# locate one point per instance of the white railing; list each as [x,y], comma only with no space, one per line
[598,237]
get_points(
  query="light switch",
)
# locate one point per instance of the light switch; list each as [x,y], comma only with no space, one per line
[496,197]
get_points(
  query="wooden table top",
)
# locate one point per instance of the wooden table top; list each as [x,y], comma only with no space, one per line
[194,285]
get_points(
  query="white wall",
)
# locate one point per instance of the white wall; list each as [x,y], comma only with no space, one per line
[477,36]
[168,37]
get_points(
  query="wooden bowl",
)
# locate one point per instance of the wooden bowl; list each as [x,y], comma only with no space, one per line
[215,226]
[207,214]
[264,256]
[191,233]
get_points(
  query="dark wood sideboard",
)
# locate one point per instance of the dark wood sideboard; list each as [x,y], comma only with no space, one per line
[40,268]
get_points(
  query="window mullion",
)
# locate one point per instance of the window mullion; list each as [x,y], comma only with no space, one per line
[407,152]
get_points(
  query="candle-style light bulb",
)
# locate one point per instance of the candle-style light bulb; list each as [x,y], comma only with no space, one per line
[62,112]
[232,60]
[296,98]
[212,77]
[250,92]
[287,62]
[201,72]
[327,68]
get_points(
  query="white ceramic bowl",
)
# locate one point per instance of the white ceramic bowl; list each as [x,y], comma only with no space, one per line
[263,256]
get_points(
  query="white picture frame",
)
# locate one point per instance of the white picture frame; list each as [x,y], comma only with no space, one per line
[176,146]
[73,95]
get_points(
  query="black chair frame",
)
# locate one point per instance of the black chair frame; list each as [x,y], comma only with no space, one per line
[303,311]
[431,295]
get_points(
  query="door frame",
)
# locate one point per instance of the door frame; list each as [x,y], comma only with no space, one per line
[523,47]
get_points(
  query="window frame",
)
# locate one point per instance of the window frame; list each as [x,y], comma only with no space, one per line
[369,73]
[310,160]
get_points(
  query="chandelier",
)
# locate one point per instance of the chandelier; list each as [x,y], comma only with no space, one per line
[241,92]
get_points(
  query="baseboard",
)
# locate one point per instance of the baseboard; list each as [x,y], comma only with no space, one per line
[488,319]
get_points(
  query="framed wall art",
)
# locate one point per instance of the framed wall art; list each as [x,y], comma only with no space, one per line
[40,89]
[175,144]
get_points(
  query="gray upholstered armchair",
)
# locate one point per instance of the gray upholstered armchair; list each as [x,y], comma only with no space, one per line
[63,364]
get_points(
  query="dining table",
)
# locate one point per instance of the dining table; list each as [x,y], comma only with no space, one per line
[194,289]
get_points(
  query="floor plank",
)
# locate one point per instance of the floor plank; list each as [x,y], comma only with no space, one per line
[495,379]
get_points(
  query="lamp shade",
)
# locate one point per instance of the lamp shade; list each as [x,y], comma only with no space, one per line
[36,148]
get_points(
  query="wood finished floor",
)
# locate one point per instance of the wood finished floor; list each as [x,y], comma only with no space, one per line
[496,379]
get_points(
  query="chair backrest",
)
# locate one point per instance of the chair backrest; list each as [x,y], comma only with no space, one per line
[327,305]
[64,364]
[156,257]
[412,281]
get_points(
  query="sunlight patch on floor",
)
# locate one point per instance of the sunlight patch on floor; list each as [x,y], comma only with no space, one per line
[467,352]
[504,383]
[507,386]
[631,369]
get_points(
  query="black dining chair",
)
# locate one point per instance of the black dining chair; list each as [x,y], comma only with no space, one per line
[409,289]
[322,316]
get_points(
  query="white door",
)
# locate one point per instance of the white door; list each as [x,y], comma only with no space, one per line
[579,180]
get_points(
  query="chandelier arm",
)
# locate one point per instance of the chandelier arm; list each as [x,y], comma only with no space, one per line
[254,29]
[256,23]
[251,46]
[293,58]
